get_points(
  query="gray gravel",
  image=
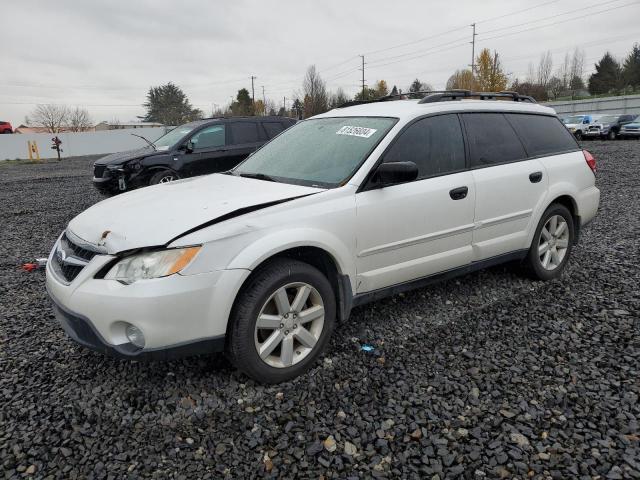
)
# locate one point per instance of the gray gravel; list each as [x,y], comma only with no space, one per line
[487,376]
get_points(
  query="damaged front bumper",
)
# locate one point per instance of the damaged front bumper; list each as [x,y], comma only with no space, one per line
[179,315]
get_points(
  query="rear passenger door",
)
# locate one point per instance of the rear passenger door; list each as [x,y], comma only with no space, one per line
[509,185]
[416,229]
[245,139]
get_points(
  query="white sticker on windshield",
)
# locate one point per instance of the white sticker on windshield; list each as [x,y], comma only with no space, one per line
[363,132]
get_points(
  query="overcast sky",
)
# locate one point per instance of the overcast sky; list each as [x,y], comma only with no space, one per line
[105,54]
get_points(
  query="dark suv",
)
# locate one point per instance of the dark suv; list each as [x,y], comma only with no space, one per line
[608,126]
[196,148]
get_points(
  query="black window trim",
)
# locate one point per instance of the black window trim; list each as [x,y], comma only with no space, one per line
[366,184]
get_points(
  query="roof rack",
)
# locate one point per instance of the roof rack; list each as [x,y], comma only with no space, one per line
[432,96]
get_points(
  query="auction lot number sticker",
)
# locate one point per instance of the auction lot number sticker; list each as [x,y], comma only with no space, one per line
[363,132]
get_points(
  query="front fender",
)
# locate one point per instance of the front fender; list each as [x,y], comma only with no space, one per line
[276,242]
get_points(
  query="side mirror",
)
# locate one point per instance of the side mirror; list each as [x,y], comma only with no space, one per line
[393,173]
[189,146]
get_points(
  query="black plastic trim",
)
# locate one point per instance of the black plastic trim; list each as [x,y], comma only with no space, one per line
[381,293]
[345,297]
[82,331]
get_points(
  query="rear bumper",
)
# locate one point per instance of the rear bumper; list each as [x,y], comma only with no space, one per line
[81,330]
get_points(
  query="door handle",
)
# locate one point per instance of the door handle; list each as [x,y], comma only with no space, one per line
[535,177]
[458,193]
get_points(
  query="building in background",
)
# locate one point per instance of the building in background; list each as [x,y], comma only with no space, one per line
[121,126]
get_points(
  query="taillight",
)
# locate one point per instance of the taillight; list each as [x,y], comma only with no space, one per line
[591,161]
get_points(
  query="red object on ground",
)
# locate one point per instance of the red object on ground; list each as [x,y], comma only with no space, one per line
[30,267]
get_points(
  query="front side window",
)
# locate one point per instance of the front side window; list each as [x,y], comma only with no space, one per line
[171,138]
[541,134]
[210,137]
[492,140]
[434,144]
[321,152]
[244,132]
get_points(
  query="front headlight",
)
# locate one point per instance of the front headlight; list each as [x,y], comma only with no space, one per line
[151,264]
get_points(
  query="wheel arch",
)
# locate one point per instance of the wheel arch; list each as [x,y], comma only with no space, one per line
[565,198]
[321,258]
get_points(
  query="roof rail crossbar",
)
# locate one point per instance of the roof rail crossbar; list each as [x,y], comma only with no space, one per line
[431,96]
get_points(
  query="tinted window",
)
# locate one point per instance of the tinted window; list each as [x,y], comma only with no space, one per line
[210,137]
[542,135]
[244,132]
[491,139]
[434,144]
[273,128]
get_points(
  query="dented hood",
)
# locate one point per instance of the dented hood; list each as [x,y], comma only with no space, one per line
[156,215]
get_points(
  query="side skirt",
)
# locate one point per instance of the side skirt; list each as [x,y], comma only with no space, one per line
[381,293]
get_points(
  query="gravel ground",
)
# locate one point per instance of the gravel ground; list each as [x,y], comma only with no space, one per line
[487,376]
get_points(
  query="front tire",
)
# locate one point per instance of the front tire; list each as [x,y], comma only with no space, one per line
[281,321]
[552,243]
[578,135]
[611,135]
[163,176]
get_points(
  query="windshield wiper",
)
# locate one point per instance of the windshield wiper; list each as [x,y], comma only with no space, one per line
[258,176]
[153,145]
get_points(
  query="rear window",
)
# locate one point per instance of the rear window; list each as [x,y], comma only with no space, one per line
[273,128]
[542,135]
[244,132]
[492,140]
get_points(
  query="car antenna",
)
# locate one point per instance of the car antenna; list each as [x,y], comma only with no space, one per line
[148,141]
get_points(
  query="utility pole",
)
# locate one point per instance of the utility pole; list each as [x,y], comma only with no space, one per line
[362,56]
[264,101]
[253,92]
[284,104]
[473,49]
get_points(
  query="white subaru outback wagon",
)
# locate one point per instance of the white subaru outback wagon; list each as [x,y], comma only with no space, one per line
[344,208]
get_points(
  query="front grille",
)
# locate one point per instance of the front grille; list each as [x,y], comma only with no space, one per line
[69,259]
[98,170]
[594,128]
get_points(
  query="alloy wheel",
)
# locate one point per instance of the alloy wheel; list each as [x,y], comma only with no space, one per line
[289,325]
[167,179]
[553,242]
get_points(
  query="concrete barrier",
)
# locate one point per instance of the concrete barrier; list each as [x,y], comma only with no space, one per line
[627,104]
[76,143]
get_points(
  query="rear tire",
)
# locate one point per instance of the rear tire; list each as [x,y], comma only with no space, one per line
[163,176]
[281,321]
[552,243]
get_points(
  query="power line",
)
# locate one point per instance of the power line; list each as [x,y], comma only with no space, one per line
[517,12]
[608,10]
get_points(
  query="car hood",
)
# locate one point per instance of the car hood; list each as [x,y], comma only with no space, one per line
[121,157]
[156,215]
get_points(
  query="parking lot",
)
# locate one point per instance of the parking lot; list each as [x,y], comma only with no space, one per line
[486,376]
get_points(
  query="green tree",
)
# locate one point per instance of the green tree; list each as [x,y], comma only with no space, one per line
[168,104]
[607,77]
[631,68]
[382,90]
[242,106]
[367,95]
[489,74]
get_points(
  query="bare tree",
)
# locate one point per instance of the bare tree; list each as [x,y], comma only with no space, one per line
[316,99]
[531,74]
[577,66]
[564,72]
[545,67]
[79,120]
[52,117]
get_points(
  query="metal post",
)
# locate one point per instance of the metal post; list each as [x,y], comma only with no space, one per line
[264,102]
[253,92]
[473,50]
[362,56]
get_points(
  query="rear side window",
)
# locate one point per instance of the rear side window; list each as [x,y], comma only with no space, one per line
[273,128]
[492,140]
[434,144]
[244,132]
[542,135]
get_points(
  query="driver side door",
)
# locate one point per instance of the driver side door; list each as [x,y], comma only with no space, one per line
[209,151]
[416,229]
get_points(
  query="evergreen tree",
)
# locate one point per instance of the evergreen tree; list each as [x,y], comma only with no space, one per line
[169,105]
[631,68]
[607,77]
